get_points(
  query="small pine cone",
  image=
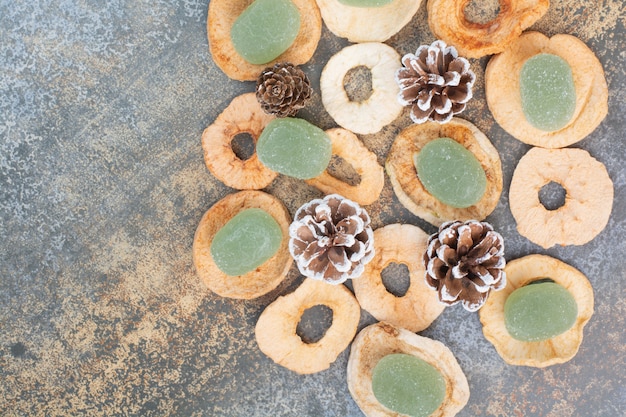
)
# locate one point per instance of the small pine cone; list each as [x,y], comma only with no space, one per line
[435,82]
[331,239]
[464,261]
[283,89]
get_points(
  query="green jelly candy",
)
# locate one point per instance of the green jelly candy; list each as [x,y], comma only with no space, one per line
[248,240]
[294,147]
[366,3]
[539,311]
[407,384]
[547,91]
[266,29]
[451,173]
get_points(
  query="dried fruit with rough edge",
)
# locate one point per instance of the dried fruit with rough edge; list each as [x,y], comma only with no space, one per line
[349,147]
[447,21]
[283,89]
[381,339]
[418,307]
[502,89]
[464,261]
[331,239]
[276,335]
[435,82]
[413,195]
[558,349]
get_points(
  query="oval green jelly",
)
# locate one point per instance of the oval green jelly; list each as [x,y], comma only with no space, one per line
[265,29]
[539,311]
[366,3]
[407,384]
[547,91]
[246,241]
[451,173]
[294,147]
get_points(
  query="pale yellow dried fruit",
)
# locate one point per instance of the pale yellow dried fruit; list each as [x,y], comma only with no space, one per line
[381,339]
[502,88]
[410,191]
[558,349]
[276,334]
[264,278]
[381,107]
[403,244]
[367,24]
[588,200]
[223,14]
[447,21]
[349,147]
[243,115]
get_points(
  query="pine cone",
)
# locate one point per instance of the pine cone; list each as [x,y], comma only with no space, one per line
[464,261]
[283,89]
[331,239]
[435,82]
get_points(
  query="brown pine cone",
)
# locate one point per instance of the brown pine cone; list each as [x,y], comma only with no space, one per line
[283,89]
[464,261]
[435,82]
[331,239]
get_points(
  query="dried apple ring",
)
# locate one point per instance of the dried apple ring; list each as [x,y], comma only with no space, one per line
[558,349]
[419,306]
[588,201]
[276,334]
[382,106]
[223,14]
[264,278]
[502,88]
[347,145]
[367,24]
[378,340]
[447,21]
[411,192]
[243,115]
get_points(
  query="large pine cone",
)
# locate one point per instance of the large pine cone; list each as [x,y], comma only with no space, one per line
[464,261]
[283,89]
[435,82]
[331,239]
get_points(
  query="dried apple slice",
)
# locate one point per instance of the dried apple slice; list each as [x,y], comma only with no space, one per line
[418,307]
[381,339]
[254,283]
[223,14]
[502,88]
[558,349]
[347,145]
[447,20]
[367,24]
[588,202]
[276,328]
[243,115]
[411,192]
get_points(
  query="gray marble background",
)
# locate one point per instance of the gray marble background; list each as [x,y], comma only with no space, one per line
[102,184]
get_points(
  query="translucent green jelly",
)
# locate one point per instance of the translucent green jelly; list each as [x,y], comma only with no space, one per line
[365,3]
[451,173]
[407,384]
[539,311]
[266,29]
[547,91]
[294,147]
[246,242]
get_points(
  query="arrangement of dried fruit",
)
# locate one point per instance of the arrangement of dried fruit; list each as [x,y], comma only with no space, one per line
[442,169]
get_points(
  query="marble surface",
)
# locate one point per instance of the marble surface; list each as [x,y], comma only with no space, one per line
[102,184]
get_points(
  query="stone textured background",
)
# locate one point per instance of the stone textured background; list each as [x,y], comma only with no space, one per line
[102,184]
